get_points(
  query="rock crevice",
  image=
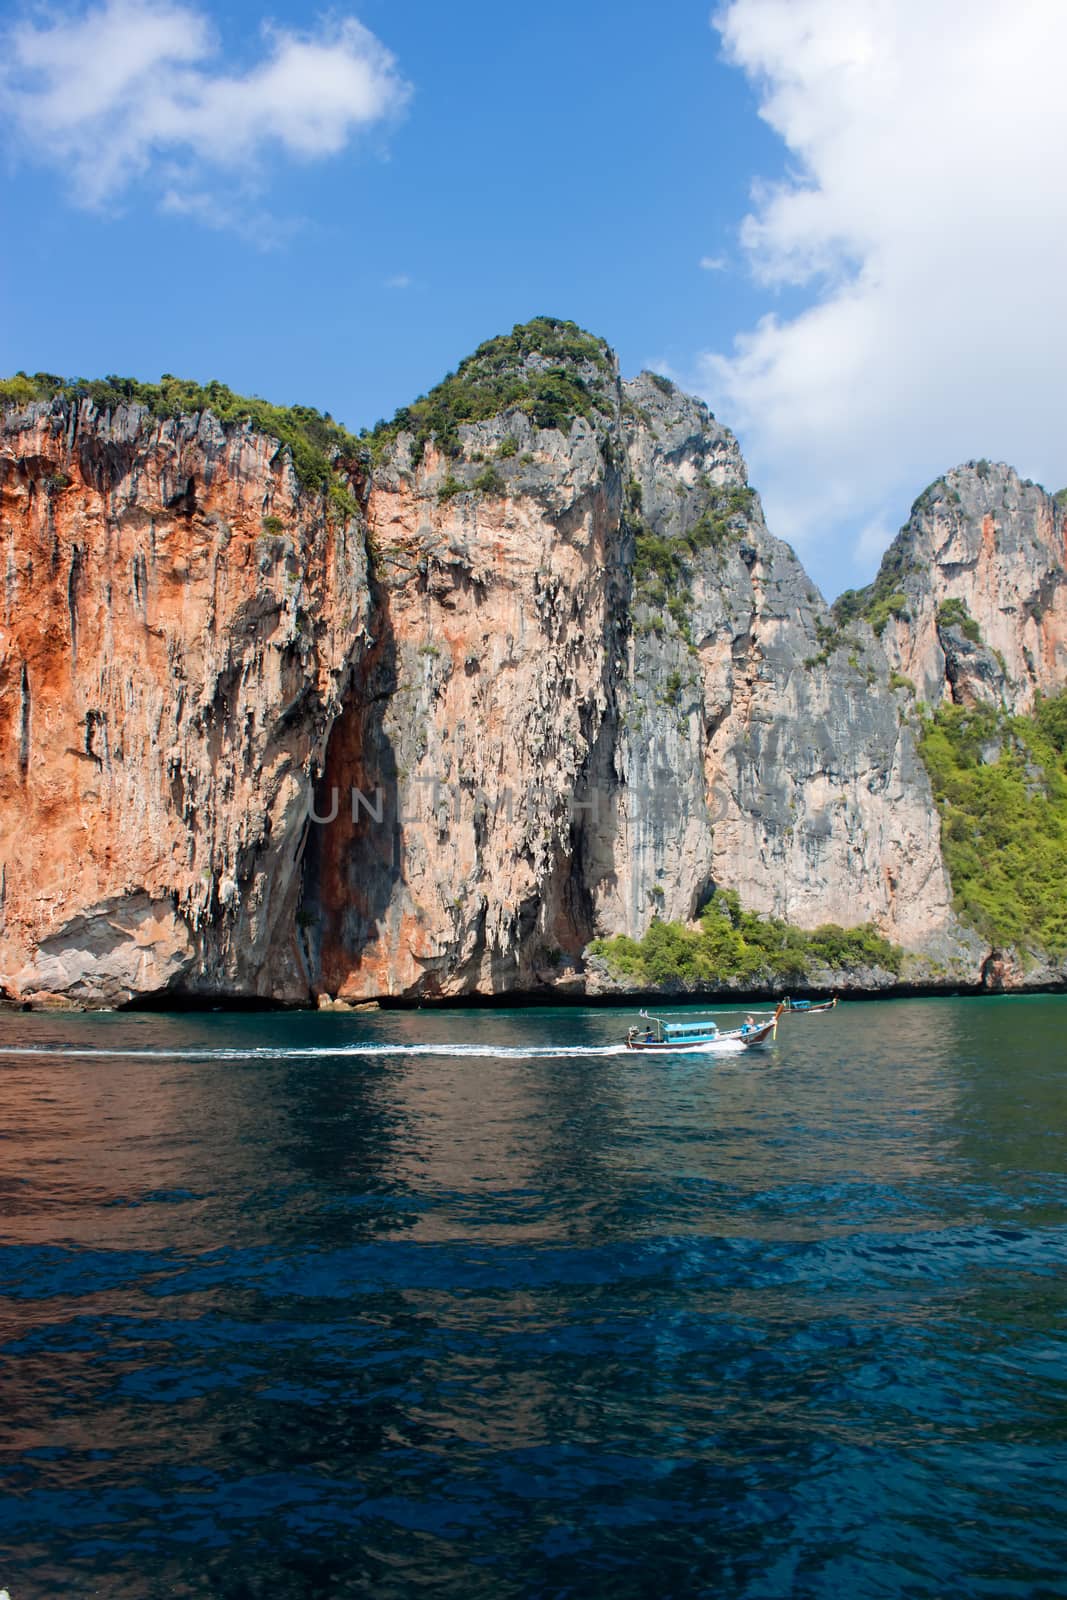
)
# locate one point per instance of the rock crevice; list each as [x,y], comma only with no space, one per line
[433,735]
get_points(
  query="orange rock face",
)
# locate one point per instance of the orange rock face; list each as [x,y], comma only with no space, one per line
[549,688]
[988,541]
[468,742]
[169,670]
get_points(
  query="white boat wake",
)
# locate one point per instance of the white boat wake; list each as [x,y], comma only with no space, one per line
[546,1052]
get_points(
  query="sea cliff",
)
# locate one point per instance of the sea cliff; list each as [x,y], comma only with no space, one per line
[432,712]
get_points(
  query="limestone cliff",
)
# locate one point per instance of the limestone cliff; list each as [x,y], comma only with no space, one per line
[467,755]
[179,626]
[971,598]
[538,673]
[788,778]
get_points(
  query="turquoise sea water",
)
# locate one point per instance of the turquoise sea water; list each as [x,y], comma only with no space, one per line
[474,1304]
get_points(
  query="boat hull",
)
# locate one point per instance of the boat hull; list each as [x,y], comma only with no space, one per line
[750,1037]
[664,1047]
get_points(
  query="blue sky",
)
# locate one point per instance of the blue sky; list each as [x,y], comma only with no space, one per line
[569,159]
[317,238]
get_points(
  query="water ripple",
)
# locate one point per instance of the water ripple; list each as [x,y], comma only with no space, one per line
[321,1307]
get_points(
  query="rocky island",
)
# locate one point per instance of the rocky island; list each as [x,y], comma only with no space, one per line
[515,693]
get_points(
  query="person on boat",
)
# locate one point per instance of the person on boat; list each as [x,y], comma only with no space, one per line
[649,1036]
[748,1025]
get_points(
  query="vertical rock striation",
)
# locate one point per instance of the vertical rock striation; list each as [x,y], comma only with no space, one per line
[974,593]
[169,669]
[551,679]
[491,694]
[793,777]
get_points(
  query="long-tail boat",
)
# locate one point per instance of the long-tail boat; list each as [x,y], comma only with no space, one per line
[699,1031]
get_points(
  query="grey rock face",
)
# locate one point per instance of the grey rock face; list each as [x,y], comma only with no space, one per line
[614,632]
[111,953]
[992,545]
[790,768]
[573,679]
[652,851]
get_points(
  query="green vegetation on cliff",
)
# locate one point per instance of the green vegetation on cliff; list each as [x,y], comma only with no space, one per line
[882,599]
[552,370]
[953,613]
[1001,786]
[549,368]
[315,441]
[731,945]
[663,564]
[886,596]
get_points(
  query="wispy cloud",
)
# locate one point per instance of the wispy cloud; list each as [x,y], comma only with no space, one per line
[399,280]
[130,89]
[928,222]
[243,215]
[713,263]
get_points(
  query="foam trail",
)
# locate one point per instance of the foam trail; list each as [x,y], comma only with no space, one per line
[321,1052]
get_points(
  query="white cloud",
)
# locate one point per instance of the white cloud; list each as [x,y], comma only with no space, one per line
[714,263]
[928,222]
[242,215]
[399,280]
[131,87]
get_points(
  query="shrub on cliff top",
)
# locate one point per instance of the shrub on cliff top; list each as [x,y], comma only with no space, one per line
[733,944]
[316,442]
[1001,787]
[550,369]
[20,390]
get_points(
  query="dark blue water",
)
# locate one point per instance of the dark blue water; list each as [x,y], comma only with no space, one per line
[282,1319]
